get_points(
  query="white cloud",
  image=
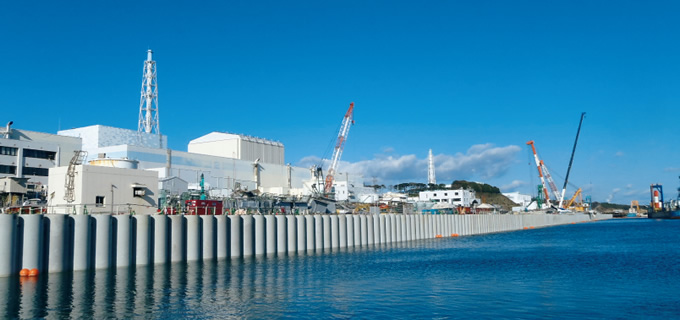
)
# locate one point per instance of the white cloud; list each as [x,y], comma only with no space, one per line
[483,161]
[630,193]
[619,154]
[512,186]
[612,194]
[387,149]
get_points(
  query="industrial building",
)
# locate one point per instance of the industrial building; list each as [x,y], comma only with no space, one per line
[27,156]
[103,189]
[220,172]
[237,146]
[459,197]
[523,200]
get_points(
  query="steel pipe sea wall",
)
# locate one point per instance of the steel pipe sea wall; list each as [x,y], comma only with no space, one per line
[56,243]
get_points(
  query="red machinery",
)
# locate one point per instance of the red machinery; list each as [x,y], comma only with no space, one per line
[203,207]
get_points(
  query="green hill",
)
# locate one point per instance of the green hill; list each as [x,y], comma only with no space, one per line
[497,199]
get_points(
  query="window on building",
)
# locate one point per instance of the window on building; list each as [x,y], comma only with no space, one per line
[139,191]
[99,201]
[456,199]
[8,151]
[435,194]
[29,171]
[39,154]
[446,194]
[456,193]
[8,169]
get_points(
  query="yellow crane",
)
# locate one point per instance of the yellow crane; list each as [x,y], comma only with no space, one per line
[634,204]
[571,201]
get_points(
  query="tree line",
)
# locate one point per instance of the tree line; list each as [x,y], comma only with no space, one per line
[413,188]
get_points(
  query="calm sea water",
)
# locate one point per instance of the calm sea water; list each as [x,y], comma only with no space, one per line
[611,269]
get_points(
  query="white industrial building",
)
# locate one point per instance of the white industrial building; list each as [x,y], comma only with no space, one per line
[459,197]
[227,162]
[237,146]
[518,198]
[102,189]
[220,171]
[29,155]
[351,188]
[173,185]
[523,200]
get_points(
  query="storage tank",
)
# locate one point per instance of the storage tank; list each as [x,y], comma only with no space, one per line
[115,163]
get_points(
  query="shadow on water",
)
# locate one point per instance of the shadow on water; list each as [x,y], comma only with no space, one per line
[587,270]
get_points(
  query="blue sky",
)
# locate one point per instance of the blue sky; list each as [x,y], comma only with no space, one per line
[473,80]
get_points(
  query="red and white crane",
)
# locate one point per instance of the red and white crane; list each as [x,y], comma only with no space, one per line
[551,182]
[339,146]
[539,165]
[545,175]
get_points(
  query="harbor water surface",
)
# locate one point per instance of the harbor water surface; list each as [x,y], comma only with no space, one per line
[608,269]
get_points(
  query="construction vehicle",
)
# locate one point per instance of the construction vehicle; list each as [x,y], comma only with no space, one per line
[347,121]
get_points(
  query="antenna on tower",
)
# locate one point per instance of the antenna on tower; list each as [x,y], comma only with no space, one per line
[430,169]
[148,102]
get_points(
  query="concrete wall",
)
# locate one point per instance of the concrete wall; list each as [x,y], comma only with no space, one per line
[56,243]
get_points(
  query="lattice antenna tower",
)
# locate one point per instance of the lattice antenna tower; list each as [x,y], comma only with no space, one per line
[430,169]
[148,103]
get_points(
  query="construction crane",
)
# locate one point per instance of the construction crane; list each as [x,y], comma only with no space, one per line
[551,182]
[339,146]
[540,171]
[571,160]
[544,174]
[634,207]
[576,194]
[69,185]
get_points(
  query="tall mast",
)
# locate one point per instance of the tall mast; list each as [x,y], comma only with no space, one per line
[430,169]
[148,102]
[566,178]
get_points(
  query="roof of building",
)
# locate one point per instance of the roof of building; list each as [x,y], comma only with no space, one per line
[220,136]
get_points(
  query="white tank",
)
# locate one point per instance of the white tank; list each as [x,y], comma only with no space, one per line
[115,163]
